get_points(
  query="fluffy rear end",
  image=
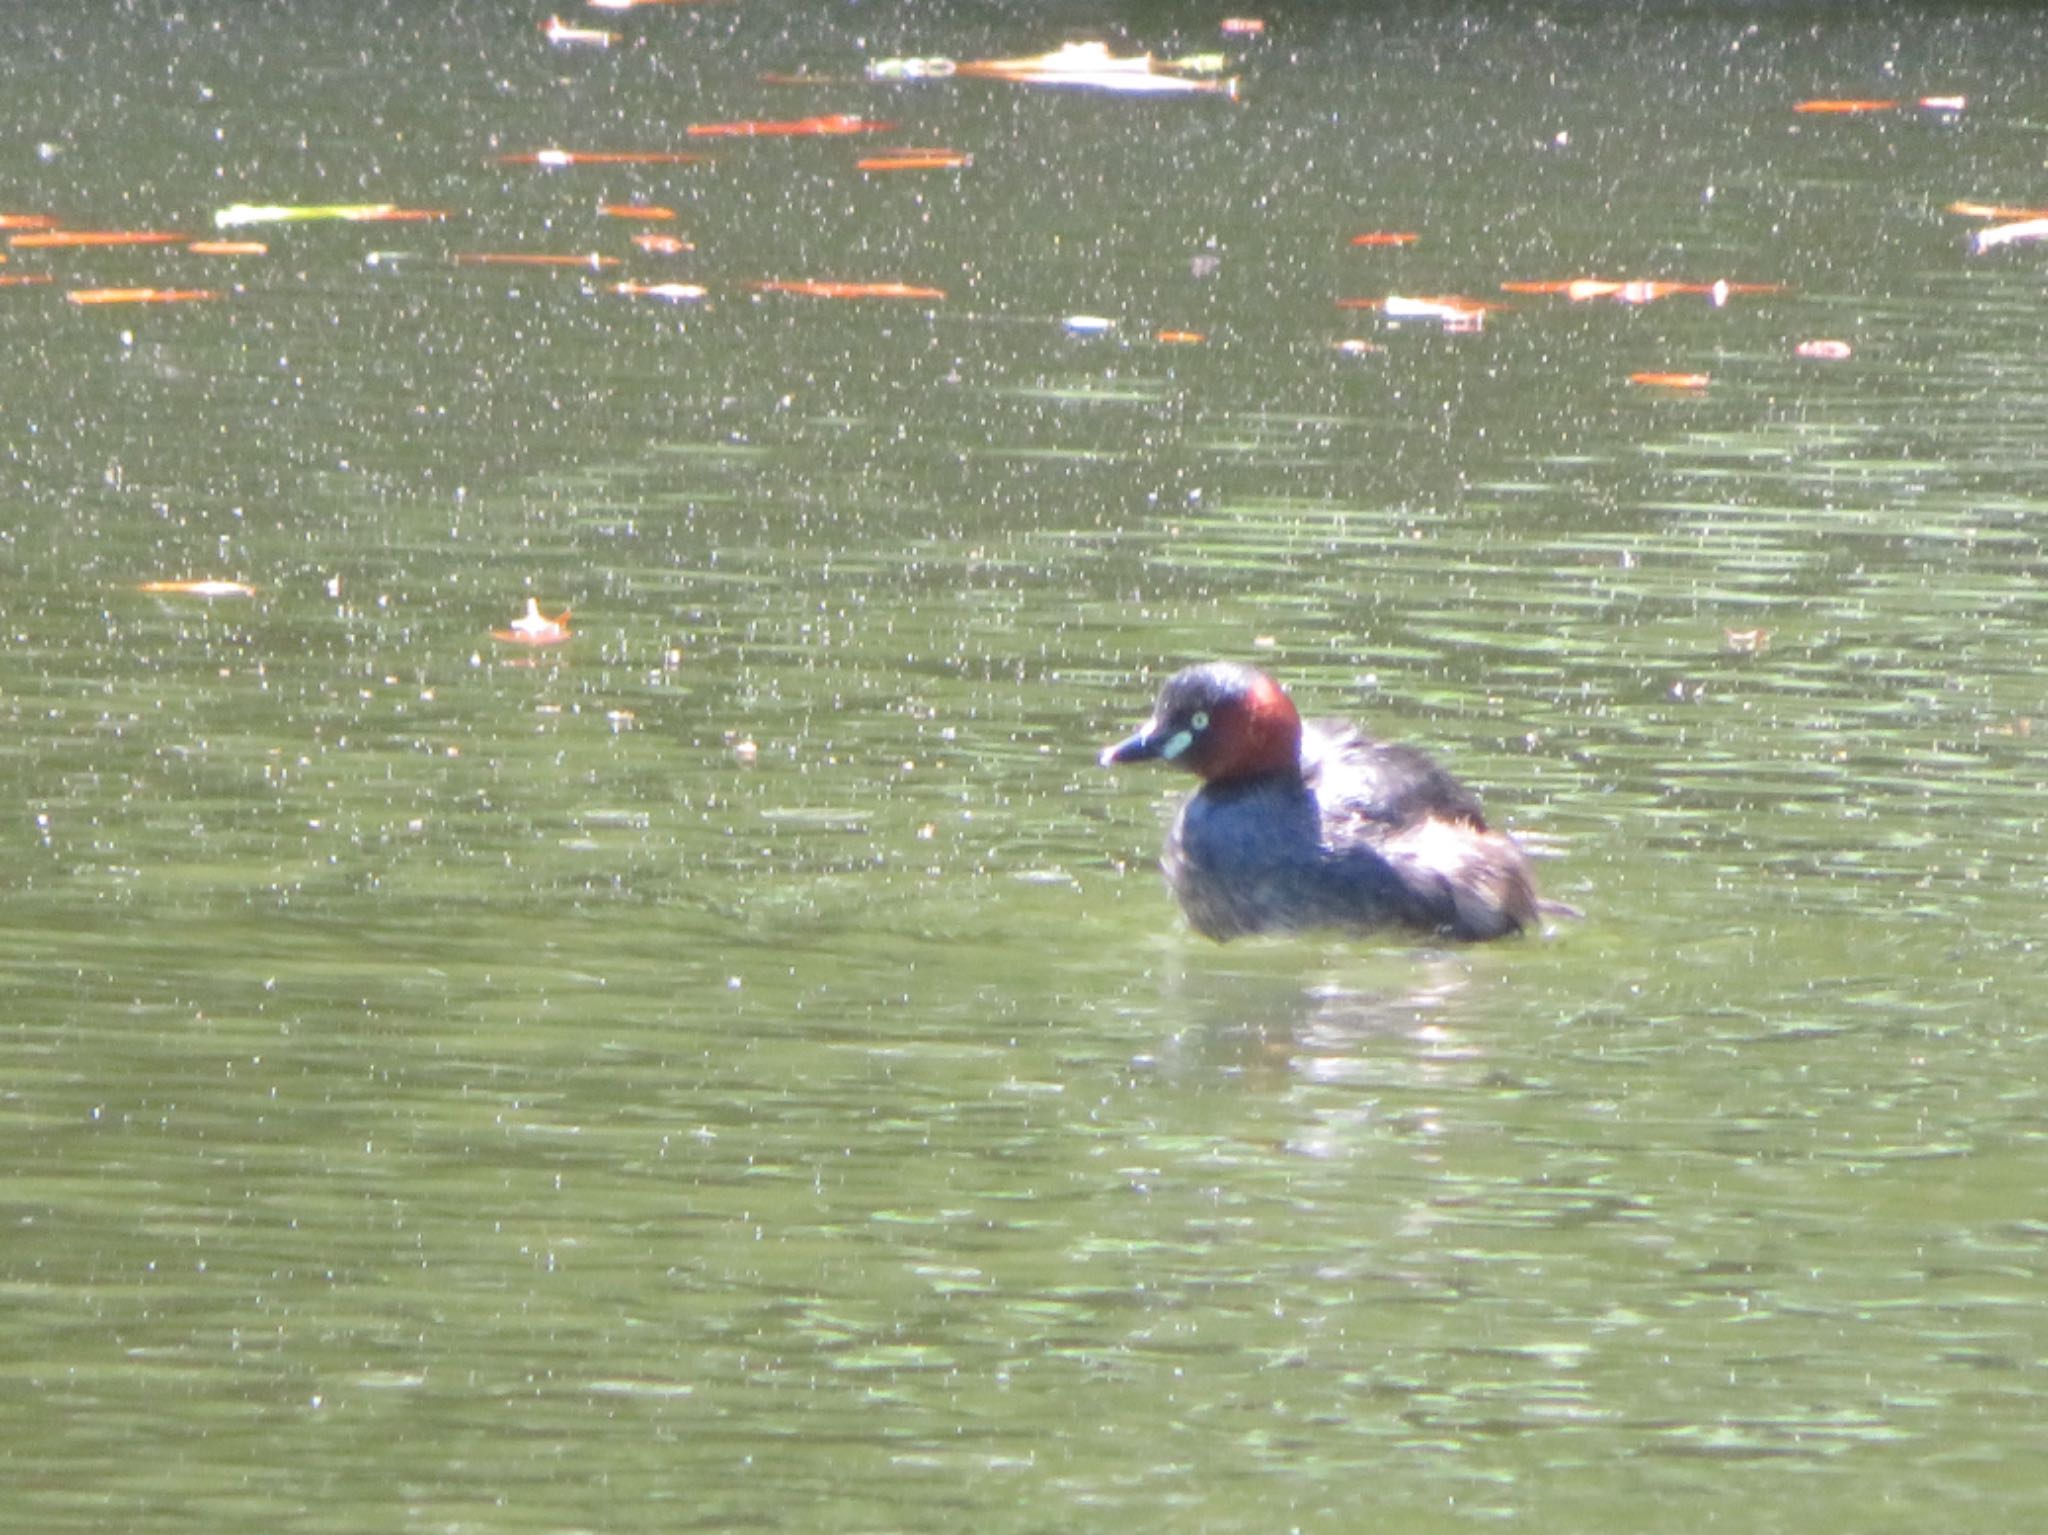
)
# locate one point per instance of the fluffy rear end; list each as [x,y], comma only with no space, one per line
[1473,884]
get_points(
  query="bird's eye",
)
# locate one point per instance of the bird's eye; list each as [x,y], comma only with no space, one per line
[1200,719]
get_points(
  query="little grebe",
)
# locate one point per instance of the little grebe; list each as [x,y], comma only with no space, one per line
[1319,827]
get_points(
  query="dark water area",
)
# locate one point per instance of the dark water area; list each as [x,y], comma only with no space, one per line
[738,1067]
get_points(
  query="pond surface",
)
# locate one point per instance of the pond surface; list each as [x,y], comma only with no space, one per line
[738,1067]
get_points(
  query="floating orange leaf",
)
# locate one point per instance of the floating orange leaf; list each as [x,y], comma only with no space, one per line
[242,215]
[1996,211]
[829,125]
[815,288]
[50,239]
[533,627]
[1637,290]
[139,295]
[917,160]
[206,587]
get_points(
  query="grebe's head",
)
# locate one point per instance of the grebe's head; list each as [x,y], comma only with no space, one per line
[1221,721]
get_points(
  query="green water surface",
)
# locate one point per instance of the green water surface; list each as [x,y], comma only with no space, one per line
[738,1069]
